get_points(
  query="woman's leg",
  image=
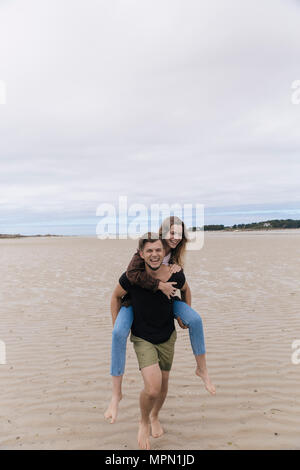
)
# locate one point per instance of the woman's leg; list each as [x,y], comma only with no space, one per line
[118,357]
[193,320]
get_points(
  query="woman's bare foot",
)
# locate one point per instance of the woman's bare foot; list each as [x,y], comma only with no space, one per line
[143,436]
[204,376]
[156,428]
[112,409]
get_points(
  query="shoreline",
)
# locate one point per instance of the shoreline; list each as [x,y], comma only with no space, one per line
[265,230]
[18,235]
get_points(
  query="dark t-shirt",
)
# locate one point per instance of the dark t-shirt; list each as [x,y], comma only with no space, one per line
[153,311]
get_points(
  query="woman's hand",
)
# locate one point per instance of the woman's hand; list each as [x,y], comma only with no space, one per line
[181,324]
[174,268]
[167,288]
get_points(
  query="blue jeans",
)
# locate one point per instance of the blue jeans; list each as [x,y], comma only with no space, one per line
[123,324]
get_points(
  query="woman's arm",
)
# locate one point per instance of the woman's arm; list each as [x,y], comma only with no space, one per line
[137,274]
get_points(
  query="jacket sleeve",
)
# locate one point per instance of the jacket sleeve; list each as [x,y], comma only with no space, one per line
[137,274]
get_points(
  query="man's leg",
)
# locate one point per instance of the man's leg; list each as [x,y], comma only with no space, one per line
[152,376]
[156,428]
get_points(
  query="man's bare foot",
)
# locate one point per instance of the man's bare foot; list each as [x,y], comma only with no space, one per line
[204,376]
[112,409]
[143,436]
[156,428]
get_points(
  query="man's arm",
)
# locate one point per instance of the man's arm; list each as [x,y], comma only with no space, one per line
[115,303]
[186,294]
[137,274]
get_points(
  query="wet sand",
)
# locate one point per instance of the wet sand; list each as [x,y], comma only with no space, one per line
[56,324]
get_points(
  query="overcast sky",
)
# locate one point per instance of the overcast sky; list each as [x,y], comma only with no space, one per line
[159,100]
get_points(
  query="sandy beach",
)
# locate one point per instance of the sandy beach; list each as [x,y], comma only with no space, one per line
[56,324]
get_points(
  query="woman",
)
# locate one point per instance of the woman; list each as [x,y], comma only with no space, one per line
[174,236]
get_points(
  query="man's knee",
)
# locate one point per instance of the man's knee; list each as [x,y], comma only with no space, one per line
[152,376]
[152,391]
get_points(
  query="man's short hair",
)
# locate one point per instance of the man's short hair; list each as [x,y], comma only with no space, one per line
[150,237]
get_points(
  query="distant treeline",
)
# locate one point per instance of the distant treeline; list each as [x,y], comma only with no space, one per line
[213,227]
[282,223]
[265,225]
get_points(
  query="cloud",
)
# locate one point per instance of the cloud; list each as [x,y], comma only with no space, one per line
[161,101]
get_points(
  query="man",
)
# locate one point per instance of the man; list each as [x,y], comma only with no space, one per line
[153,333]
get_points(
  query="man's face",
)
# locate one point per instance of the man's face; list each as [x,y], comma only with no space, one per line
[153,254]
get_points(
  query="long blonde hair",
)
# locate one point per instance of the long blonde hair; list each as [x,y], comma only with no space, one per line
[178,253]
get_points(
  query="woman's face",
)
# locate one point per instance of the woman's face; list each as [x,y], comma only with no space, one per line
[174,236]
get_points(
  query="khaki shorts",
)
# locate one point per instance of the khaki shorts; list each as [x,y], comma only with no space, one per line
[148,353]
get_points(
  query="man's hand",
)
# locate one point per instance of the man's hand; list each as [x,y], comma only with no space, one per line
[181,324]
[174,268]
[167,288]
